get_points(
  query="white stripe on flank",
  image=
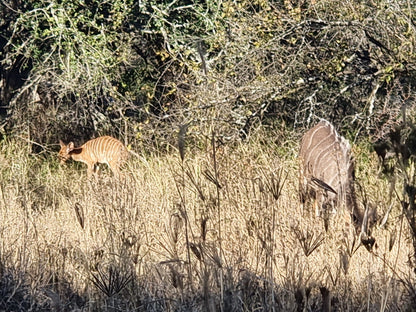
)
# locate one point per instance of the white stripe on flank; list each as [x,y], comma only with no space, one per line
[326,156]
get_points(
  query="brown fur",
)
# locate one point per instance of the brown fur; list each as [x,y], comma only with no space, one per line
[103,149]
[327,171]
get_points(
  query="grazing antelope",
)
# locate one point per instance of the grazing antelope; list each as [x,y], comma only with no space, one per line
[103,149]
[327,173]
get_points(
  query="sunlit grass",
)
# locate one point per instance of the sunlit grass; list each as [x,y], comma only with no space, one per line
[191,235]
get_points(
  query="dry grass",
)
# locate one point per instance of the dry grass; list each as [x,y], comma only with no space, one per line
[209,233]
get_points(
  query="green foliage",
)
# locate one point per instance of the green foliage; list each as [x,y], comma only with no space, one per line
[75,51]
[143,69]
[78,42]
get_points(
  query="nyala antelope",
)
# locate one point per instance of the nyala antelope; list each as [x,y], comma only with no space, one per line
[327,175]
[105,150]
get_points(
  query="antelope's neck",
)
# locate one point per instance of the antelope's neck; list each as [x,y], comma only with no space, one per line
[78,154]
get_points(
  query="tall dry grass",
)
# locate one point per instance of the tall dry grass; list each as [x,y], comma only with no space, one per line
[218,229]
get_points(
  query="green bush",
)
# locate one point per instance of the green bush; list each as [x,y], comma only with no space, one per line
[142,69]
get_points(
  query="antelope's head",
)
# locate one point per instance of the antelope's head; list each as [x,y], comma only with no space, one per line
[65,151]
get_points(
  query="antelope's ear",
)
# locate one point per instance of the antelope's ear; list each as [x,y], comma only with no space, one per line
[70,146]
[61,143]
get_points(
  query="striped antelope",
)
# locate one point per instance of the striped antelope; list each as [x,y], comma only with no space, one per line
[103,149]
[327,173]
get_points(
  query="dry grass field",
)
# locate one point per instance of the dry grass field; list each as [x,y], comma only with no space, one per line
[221,230]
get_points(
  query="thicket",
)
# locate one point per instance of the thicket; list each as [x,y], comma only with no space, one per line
[140,69]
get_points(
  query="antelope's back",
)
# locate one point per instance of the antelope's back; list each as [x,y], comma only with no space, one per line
[105,149]
[327,173]
[326,156]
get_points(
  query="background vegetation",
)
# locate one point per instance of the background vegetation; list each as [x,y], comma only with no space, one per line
[214,224]
[140,69]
